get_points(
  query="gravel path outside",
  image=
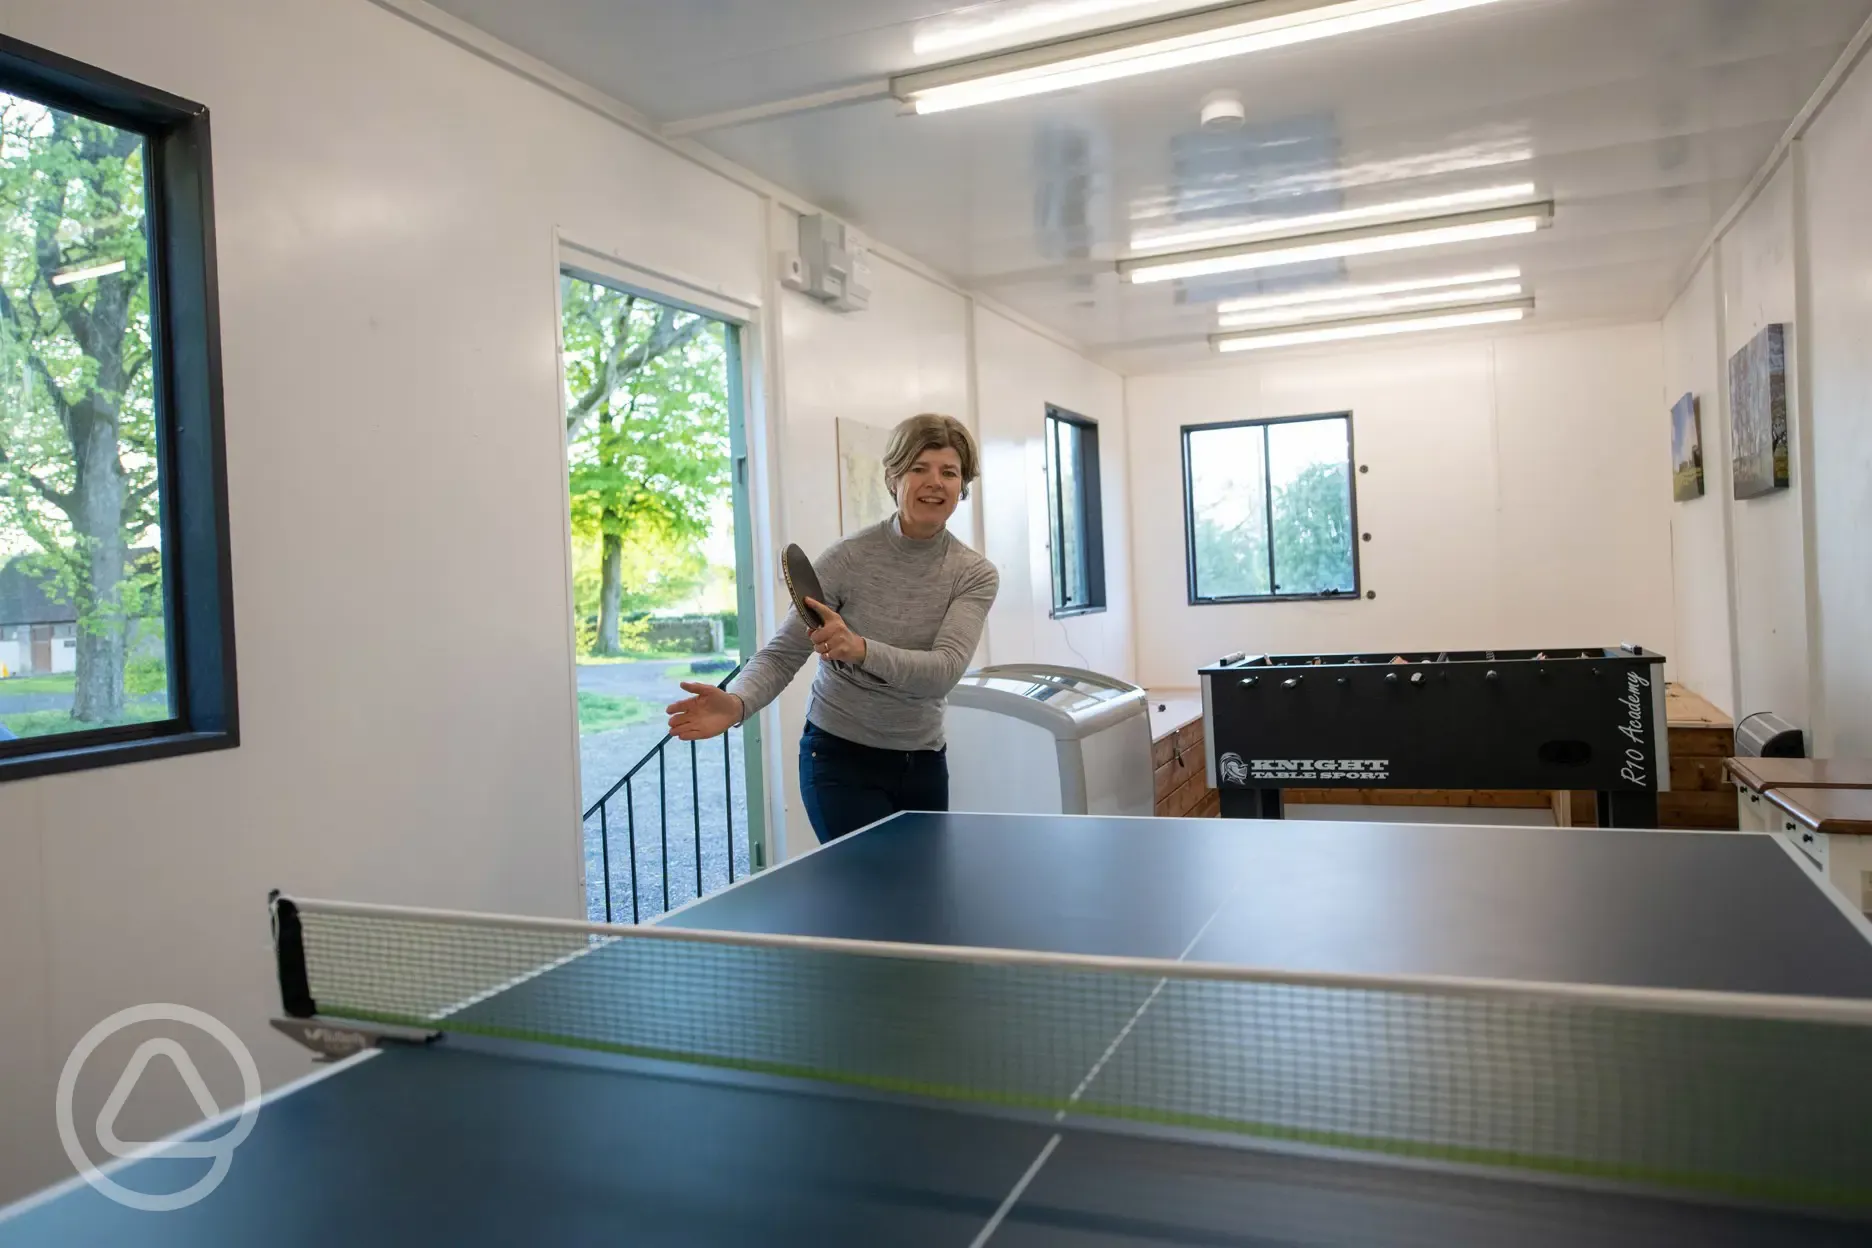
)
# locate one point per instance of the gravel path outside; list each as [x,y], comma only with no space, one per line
[606,756]
[649,679]
[22,703]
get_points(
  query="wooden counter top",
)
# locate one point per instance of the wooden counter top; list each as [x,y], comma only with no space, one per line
[1684,709]
[1173,709]
[1835,812]
[1765,775]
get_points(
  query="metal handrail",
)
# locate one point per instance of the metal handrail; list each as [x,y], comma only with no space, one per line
[623,785]
[645,760]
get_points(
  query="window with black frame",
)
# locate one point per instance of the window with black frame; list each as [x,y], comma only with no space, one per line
[1269,510]
[116,638]
[1074,510]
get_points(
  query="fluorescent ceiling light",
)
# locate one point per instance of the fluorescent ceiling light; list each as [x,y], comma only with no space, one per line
[1373,327]
[1037,17]
[1432,204]
[1440,299]
[1339,244]
[70,276]
[1150,47]
[1369,290]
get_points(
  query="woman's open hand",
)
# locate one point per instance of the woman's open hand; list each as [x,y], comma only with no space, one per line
[709,712]
[834,639]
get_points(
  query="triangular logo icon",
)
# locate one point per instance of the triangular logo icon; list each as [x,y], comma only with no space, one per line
[146,1053]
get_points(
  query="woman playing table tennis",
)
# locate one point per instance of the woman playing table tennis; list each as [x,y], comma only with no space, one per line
[904,610]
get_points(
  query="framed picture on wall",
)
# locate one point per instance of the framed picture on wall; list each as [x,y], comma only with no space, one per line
[1758,414]
[863,500]
[1686,450]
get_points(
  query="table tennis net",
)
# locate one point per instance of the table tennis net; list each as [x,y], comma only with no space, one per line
[1755,1098]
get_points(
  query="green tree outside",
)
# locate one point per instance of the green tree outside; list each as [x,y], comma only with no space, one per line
[647,438]
[1231,560]
[1312,551]
[1313,532]
[78,455]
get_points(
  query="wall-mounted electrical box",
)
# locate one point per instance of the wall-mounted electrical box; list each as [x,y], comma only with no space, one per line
[832,264]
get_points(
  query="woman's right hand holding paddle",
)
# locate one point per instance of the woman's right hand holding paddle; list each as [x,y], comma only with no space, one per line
[708,712]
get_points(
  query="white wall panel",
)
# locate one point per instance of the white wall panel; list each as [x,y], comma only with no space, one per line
[1771,615]
[1020,373]
[1700,550]
[1513,498]
[1839,189]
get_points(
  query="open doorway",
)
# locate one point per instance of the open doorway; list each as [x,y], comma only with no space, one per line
[656,491]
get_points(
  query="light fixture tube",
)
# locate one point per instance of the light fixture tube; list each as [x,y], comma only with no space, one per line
[1339,244]
[1372,327]
[1366,290]
[1154,46]
[1241,231]
[1442,300]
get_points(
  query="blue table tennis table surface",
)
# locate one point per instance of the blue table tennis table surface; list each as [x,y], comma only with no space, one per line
[480,1142]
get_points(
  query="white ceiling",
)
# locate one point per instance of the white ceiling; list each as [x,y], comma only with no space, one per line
[1643,119]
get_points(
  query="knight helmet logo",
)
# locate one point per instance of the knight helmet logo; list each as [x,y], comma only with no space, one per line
[1234,770]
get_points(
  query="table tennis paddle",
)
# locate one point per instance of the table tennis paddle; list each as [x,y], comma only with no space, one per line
[802,583]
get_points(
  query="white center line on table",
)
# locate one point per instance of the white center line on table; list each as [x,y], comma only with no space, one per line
[1033,1171]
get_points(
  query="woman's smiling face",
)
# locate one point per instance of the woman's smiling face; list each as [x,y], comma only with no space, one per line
[928,493]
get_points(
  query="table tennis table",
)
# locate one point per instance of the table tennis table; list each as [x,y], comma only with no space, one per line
[1215,1037]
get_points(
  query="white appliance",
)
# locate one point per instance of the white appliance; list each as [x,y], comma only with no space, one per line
[1031,739]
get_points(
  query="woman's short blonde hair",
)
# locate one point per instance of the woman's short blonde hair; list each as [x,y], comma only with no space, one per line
[929,432]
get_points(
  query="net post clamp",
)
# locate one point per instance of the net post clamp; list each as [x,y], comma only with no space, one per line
[334,1039]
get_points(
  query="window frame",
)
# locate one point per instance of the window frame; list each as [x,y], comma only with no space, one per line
[1091,516]
[198,593]
[1357,593]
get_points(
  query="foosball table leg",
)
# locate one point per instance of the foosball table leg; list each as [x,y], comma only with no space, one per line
[1628,810]
[1252,804]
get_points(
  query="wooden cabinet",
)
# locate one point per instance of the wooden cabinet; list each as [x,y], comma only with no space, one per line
[1178,761]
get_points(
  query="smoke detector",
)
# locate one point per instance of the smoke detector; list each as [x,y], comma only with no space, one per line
[1223,111]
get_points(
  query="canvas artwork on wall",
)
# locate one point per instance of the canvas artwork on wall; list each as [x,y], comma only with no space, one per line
[1686,450]
[863,500]
[1758,414]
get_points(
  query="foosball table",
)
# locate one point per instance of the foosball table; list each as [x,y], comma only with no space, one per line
[1572,718]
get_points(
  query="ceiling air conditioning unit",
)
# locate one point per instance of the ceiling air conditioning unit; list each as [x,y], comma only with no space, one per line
[833,264]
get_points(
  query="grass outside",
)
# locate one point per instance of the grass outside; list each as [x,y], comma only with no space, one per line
[142,677]
[51,723]
[603,712]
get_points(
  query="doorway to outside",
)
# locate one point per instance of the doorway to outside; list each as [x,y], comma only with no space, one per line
[660,522]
